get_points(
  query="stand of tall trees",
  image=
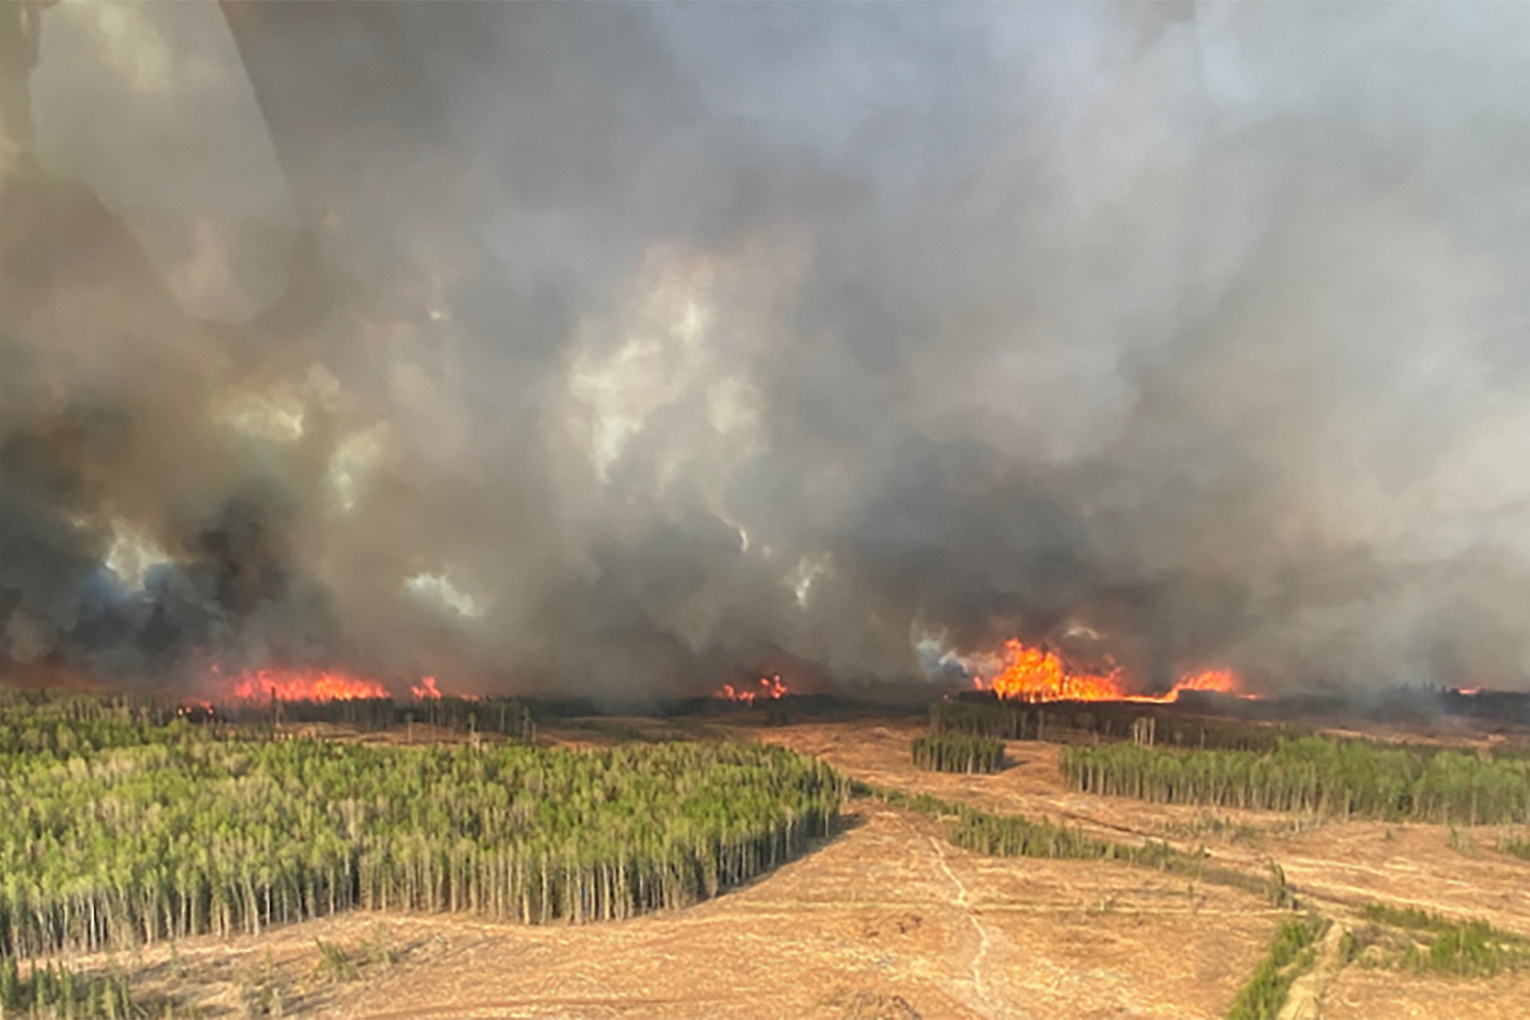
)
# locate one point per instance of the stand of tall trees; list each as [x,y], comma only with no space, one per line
[65,724]
[507,716]
[1090,721]
[107,848]
[46,992]
[958,752]
[1314,775]
[34,723]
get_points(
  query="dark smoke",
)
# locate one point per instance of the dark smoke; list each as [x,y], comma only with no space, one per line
[610,348]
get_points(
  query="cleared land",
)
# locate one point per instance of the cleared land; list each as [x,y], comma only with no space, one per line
[1336,866]
[887,919]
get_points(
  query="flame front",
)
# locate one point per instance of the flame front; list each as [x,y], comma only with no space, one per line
[303,685]
[1036,674]
[1222,681]
[770,688]
[426,689]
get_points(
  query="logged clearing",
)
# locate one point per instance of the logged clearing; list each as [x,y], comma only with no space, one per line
[1358,994]
[1336,863]
[886,919]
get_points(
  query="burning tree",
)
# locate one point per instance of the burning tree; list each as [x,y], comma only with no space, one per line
[767,688]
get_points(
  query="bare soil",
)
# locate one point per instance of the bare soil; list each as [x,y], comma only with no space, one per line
[1358,994]
[1337,864]
[886,919]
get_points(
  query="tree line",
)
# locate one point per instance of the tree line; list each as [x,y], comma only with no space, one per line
[510,717]
[30,721]
[39,723]
[957,752]
[186,834]
[1316,775]
[1092,721]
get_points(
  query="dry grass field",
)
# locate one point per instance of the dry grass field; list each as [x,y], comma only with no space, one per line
[888,920]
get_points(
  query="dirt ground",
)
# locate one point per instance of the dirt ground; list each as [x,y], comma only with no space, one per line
[1335,866]
[884,920]
[1358,994]
[887,920]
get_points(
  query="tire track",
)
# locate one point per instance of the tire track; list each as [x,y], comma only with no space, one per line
[964,902]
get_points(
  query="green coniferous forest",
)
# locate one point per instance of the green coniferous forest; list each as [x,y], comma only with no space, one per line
[1317,775]
[958,752]
[115,830]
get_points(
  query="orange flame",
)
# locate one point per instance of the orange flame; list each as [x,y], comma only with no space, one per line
[1223,681]
[770,688]
[426,689]
[1035,674]
[303,685]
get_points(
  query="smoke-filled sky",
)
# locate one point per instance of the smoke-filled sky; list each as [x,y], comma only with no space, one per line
[628,349]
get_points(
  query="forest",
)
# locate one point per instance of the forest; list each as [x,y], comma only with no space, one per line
[1317,775]
[957,752]
[1089,721]
[117,830]
[505,716]
[31,721]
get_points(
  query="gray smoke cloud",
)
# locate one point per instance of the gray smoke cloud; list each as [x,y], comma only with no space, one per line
[629,349]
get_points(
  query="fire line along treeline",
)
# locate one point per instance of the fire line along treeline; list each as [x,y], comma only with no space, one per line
[145,832]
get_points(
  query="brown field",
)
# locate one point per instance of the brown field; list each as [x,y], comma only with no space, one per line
[1338,865]
[887,919]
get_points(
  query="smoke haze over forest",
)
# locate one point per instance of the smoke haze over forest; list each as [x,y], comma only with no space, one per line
[632,348]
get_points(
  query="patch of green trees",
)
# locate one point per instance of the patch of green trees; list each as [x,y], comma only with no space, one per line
[48,992]
[50,724]
[1317,775]
[958,752]
[188,833]
[507,716]
[1291,952]
[1091,721]
[1469,949]
[1432,943]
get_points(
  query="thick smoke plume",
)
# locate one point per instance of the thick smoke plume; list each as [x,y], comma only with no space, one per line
[626,349]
